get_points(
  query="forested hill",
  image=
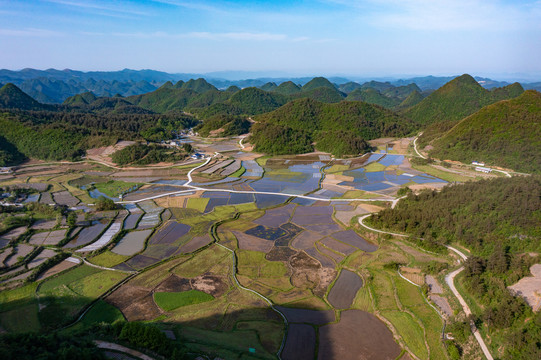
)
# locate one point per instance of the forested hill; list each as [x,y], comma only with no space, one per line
[341,128]
[11,97]
[498,220]
[457,99]
[507,134]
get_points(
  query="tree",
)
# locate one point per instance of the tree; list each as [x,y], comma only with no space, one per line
[103,203]
[72,219]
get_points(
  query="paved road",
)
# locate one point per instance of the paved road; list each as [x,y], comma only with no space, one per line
[450,280]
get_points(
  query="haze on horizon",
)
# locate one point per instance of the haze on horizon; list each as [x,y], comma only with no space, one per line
[497,38]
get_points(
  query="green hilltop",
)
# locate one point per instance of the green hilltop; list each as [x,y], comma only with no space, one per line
[507,134]
[457,99]
[341,128]
[286,88]
[11,97]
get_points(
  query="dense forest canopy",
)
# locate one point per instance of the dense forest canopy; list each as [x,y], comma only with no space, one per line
[341,129]
[507,133]
[499,221]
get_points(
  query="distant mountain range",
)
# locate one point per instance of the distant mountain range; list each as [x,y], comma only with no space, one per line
[54,86]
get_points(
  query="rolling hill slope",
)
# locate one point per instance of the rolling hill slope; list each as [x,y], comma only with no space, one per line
[507,134]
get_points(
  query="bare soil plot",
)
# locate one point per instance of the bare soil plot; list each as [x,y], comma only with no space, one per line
[346,216]
[48,238]
[169,233]
[41,258]
[86,236]
[196,243]
[135,302]
[433,285]
[65,198]
[43,225]
[316,317]
[174,283]
[350,237]
[141,261]
[14,233]
[131,221]
[217,166]
[64,265]
[317,219]
[443,304]
[211,284]
[323,260]
[280,253]
[21,250]
[230,169]
[249,242]
[300,343]
[530,287]
[338,246]
[306,240]
[276,217]
[329,253]
[4,255]
[46,198]
[324,229]
[344,289]
[358,335]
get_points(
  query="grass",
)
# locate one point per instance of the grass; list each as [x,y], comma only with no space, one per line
[65,295]
[410,296]
[113,188]
[262,161]
[198,204]
[101,312]
[254,263]
[409,330]
[336,168]
[232,344]
[19,309]
[108,259]
[363,300]
[359,194]
[239,172]
[172,300]
[202,262]
[373,167]
[444,175]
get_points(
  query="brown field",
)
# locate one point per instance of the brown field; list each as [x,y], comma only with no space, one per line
[249,242]
[300,343]
[344,289]
[64,265]
[358,336]
[338,246]
[195,243]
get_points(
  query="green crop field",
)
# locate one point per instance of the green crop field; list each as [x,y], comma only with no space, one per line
[172,300]
[114,188]
[108,259]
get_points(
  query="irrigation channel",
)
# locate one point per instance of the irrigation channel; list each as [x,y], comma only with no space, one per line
[450,280]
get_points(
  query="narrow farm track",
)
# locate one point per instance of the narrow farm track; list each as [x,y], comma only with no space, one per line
[415,146]
[116,347]
[268,301]
[450,280]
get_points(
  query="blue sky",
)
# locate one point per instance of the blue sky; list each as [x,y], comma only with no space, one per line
[325,37]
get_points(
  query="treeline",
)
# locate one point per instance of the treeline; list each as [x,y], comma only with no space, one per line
[476,214]
[51,135]
[139,154]
[499,221]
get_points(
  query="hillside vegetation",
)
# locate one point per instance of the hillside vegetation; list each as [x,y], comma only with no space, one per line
[341,128]
[506,134]
[499,221]
[457,99]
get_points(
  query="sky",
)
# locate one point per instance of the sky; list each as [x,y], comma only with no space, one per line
[497,38]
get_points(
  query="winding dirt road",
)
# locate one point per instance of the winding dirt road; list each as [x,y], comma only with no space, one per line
[450,280]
